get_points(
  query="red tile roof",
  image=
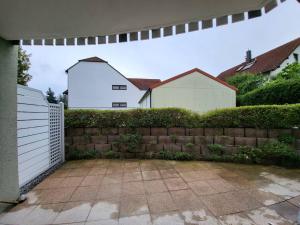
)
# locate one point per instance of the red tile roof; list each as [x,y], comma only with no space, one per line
[189,72]
[93,59]
[266,62]
[143,84]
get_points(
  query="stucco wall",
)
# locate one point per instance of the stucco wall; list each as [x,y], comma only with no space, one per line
[289,60]
[145,104]
[90,87]
[195,92]
[9,185]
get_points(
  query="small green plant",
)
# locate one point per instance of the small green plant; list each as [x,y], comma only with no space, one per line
[189,145]
[86,154]
[216,149]
[286,139]
[111,154]
[173,138]
[130,141]
[181,156]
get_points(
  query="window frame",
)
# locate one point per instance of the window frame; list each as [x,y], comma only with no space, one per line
[296,57]
[119,87]
[119,104]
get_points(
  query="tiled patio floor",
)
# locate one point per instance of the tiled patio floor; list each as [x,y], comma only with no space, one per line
[104,192]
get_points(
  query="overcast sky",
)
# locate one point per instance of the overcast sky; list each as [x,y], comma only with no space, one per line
[212,50]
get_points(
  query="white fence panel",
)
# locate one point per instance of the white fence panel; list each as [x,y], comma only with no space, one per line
[40,134]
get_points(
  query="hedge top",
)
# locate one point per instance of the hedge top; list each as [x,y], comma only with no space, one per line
[274,116]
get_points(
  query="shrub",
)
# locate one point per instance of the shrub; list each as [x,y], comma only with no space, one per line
[286,139]
[285,116]
[130,141]
[76,154]
[276,92]
[168,117]
[181,156]
[246,82]
[291,71]
[216,149]
[111,155]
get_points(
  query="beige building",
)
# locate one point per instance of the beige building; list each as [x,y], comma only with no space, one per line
[195,90]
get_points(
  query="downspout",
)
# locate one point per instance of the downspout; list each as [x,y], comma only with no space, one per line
[150,100]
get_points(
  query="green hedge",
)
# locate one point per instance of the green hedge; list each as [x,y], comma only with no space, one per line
[168,117]
[276,92]
[273,116]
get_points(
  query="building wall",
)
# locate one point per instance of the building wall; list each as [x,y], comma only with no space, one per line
[9,184]
[289,60]
[195,92]
[90,87]
[146,103]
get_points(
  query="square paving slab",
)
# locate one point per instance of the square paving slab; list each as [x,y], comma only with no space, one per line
[156,192]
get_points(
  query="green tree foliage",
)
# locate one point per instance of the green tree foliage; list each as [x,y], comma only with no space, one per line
[246,82]
[51,96]
[291,71]
[63,99]
[23,66]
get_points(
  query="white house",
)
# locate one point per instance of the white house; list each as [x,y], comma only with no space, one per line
[195,90]
[94,84]
[269,63]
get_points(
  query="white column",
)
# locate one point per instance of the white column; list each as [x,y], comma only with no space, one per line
[9,180]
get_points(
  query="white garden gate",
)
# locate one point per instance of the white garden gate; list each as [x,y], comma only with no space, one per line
[40,131]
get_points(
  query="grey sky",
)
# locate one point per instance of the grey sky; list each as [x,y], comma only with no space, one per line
[212,50]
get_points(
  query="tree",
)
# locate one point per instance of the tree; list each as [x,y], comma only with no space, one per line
[23,67]
[63,98]
[51,96]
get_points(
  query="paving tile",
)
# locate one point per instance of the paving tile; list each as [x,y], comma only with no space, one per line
[104,209]
[97,171]
[161,202]
[115,170]
[16,215]
[220,185]
[60,173]
[85,193]
[202,188]
[136,220]
[170,218]
[50,183]
[279,190]
[79,172]
[92,180]
[263,216]
[265,198]
[133,205]
[174,184]
[151,175]
[287,210]
[57,195]
[240,182]
[73,212]
[108,191]
[134,176]
[102,222]
[169,173]
[133,188]
[71,182]
[199,217]
[155,186]
[189,176]
[235,219]
[295,201]
[112,179]
[43,214]
[186,200]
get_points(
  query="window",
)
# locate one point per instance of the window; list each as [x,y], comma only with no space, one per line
[119,87]
[119,104]
[296,57]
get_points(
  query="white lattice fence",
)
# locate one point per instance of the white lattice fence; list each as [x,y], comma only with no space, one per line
[56,133]
[40,134]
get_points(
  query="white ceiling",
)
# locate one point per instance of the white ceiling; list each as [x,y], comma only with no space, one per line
[33,19]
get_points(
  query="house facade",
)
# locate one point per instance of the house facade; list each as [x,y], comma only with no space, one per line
[94,84]
[195,90]
[269,63]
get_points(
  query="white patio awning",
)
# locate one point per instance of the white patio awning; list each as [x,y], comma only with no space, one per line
[102,21]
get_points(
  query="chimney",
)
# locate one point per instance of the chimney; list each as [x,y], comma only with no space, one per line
[248,56]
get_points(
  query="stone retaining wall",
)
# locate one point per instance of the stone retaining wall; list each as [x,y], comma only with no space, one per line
[192,140]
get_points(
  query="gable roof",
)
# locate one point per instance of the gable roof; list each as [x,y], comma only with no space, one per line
[144,84]
[265,62]
[90,59]
[185,74]
[189,72]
